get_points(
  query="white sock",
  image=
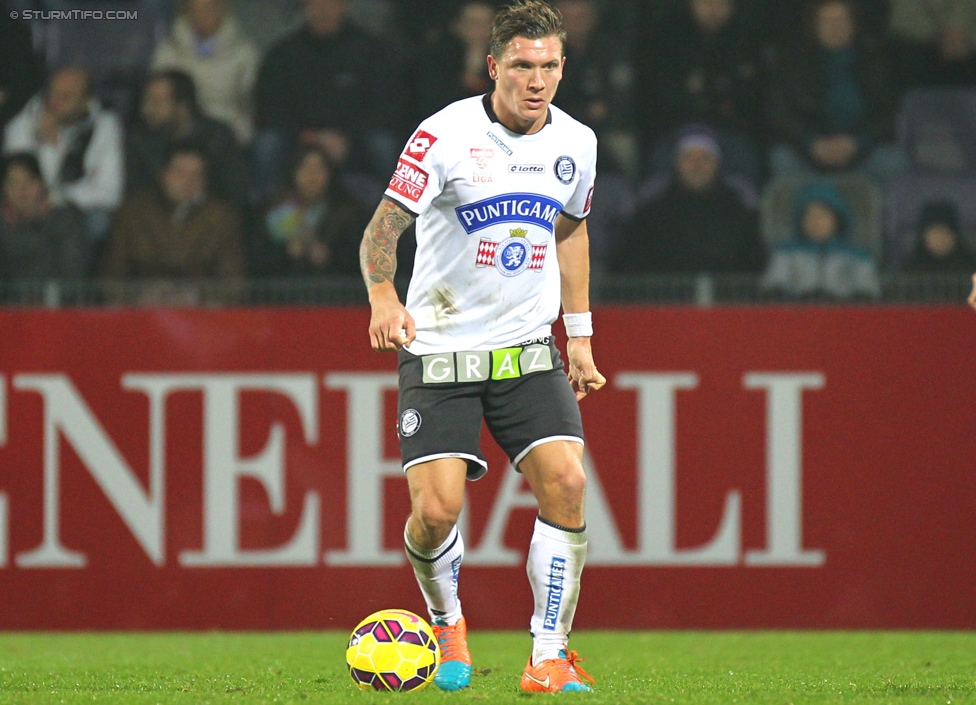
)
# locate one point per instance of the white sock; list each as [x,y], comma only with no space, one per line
[437,574]
[556,559]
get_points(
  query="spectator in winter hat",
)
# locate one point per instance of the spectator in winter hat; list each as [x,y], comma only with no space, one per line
[698,222]
[819,262]
[940,246]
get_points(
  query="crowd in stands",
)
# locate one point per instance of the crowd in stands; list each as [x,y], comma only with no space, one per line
[814,144]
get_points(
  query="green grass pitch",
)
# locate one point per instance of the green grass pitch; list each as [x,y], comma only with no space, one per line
[630,667]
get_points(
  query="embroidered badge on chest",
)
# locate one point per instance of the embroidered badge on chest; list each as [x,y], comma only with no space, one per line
[513,255]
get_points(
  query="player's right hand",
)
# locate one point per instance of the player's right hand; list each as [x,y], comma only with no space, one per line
[972,296]
[391,327]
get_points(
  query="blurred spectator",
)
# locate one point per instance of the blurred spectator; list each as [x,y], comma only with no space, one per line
[376,17]
[116,52]
[834,100]
[78,144]
[316,226]
[207,44]
[454,66]
[904,202]
[935,41]
[597,83]
[266,21]
[38,241]
[705,66]
[940,246]
[699,223]
[819,262]
[937,130]
[741,157]
[21,70]
[596,71]
[425,20]
[783,22]
[170,115]
[329,84]
[175,234]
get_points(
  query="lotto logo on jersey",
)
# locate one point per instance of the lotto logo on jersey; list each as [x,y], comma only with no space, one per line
[409,181]
[419,145]
[529,208]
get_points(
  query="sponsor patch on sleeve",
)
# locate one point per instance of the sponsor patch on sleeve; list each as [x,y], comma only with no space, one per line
[589,200]
[409,181]
[419,145]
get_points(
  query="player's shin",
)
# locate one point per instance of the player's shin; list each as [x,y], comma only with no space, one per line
[437,574]
[556,558]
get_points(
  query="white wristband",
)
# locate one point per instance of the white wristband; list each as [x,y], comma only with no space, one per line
[578,325]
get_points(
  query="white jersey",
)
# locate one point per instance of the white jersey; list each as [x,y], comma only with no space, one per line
[486,199]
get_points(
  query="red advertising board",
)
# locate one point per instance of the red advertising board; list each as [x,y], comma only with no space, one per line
[749,467]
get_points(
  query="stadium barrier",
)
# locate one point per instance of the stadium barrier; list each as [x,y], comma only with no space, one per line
[699,290]
[750,467]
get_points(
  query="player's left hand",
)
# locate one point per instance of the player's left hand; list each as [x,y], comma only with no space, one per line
[583,375]
[972,296]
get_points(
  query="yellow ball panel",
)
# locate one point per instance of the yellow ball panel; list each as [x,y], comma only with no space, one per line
[393,664]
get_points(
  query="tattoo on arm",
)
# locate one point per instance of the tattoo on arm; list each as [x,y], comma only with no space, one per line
[377,254]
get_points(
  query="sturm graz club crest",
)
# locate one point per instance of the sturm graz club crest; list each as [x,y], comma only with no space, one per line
[565,169]
[409,423]
[513,255]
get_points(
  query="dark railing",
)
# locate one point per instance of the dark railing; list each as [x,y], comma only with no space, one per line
[710,290]
[697,290]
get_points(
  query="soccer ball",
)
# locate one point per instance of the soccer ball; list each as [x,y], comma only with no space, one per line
[392,650]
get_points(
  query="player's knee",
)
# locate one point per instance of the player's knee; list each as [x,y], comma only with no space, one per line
[436,515]
[572,483]
[563,500]
[564,491]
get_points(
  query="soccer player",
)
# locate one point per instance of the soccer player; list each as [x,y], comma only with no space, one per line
[500,188]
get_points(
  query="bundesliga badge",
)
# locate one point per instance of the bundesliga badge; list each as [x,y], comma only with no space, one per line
[513,255]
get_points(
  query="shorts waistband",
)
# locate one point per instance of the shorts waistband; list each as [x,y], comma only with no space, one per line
[484,365]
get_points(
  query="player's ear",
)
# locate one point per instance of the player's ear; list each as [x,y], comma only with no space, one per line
[492,68]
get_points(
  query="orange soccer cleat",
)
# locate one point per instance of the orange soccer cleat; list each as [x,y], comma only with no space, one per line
[555,675]
[454,673]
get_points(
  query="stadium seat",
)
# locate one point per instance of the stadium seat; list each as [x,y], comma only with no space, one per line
[937,129]
[905,200]
[860,191]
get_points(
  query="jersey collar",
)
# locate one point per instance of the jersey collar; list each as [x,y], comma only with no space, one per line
[486,102]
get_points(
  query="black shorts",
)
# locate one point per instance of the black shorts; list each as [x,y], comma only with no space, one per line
[521,392]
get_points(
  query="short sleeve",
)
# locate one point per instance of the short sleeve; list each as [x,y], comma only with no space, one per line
[419,174]
[578,205]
